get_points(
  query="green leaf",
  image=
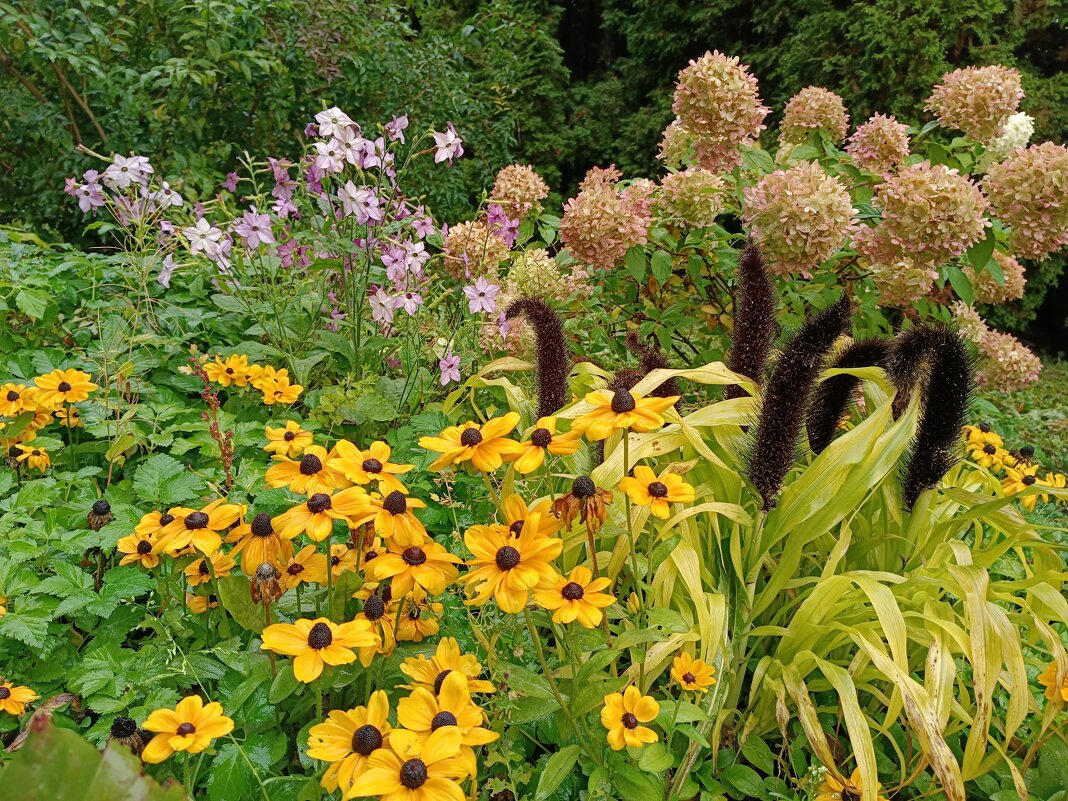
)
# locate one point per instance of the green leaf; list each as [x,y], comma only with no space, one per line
[633,785]
[28,626]
[634,261]
[230,776]
[525,681]
[662,266]
[742,782]
[961,285]
[162,481]
[556,770]
[284,684]
[32,302]
[655,758]
[236,597]
[980,254]
[759,755]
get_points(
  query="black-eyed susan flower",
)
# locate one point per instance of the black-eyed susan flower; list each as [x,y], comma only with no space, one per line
[428,566]
[33,455]
[851,789]
[419,617]
[343,559]
[577,596]
[1017,479]
[516,513]
[266,375]
[233,370]
[447,658]
[62,386]
[424,713]
[692,674]
[541,440]
[258,543]
[507,567]
[306,566]
[619,410]
[280,390]
[316,516]
[137,550]
[126,731]
[153,523]
[319,642]
[13,698]
[982,434]
[370,465]
[16,399]
[99,515]
[347,738]
[485,446]
[1053,480]
[989,455]
[382,617]
[416,769]
[1054,689]
[289,441]
[199,604]
[69,417]
[190,726]
[587,502]
[313,472]
[395,520]
[199,527]
[623,713]
[199,572]
[658,493]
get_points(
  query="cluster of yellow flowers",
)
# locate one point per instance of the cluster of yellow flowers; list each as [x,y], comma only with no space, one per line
[31,407]
[235,371]
[987,449]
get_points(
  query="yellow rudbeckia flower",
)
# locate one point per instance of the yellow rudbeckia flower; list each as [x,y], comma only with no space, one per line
[576,597]
[63,386]
[507,567]
[486,446]
[319,642]
[288,441]
[372,464]
[190,726]
[346,740]
[646,489]
[623,713]
[430,673]
[619,410]
[13,698]
[541,440]
[416,769]
[692,674]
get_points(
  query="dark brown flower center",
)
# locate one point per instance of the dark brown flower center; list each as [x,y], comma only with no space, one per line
[166,519]
[507,557]
[334,560]
[374,607]
[541,437]
[439,680]
[572,591]
[123,727]
[442,719]
[984,427]
[395,503]
[851,794]
[1028,480]
[101,508]
[36,452]
[203,569]
[629,720]
[186,729]
[372,465]
[657,489]
[12,396]
[320,636]
[623,401]
[1027,451]
[413,774]
[583,487]
[196,520]
[295,569]
[289,436]
[414,556]
[470,437]
[319,502]
[143,547]
[366,740]
[989,449]
[5,693]
[310,464]
[517,527]
[261,525]
[688,678]
[64,386]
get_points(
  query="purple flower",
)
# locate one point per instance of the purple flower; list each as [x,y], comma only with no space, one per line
[482,296]
[395,128]
[360,202]
[90,194]
[423,226]
[393,361]
[450,369]
[166,271]
[449,145]
[504,325]
[124,171]
[330,156]
[311,130]
[382,306]
[230,184]
[313,176]
[410,301]
[254,228]
[369,153]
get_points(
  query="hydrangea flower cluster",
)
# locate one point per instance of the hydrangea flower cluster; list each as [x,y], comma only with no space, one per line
[1006,364]
[1029,191]
[472,249]
[977,100]
[880,145]
[930,214]
[814,109]
[901,281]
[800,217]
[986,287]
[718,104]
[693,196]
[1018,130]
[520,190]
[603,220]
[535,273]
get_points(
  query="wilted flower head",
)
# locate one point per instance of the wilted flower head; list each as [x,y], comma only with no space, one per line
[880,144]
[694,197]
[1029,191]
[471,249]
[900,280]
[535,273]
[716,100]
[986,286]
[602,222]
[799,216]
[519,189]
[814,109]
[977,100]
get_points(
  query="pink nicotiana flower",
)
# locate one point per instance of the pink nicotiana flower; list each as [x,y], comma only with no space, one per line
[410,301]
[202,237]
[254,228]
[330,156]
[449,145]
[124,171]
[450,369]
[382,306]
[230,184]
[90,194]
[501,225]
[333,122]
[360,202]
[395,128]
[422,225]
[166,271]
[482,296]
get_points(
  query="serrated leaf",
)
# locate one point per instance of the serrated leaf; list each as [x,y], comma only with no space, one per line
[31,302]
[30,627]
[230,776]
[236,597]
[162,481]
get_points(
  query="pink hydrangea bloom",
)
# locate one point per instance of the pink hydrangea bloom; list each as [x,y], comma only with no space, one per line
[519,189]
[986,286]
[693,197]
[1029,191]
[879,145]
[602,222]
[814,109]
[471,249]
[977,100]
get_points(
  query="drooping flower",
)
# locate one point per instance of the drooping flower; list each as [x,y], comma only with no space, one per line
[448,145]
[319,642]
[412,769]
[428,566]
[63,386]
[623,713]
[693,197]
[645,488]
[449,367]
[447,658]
[485,446]
[258,542]
[13,698]
[370,465]
[814,109]
[692,674]
[620,410]
[880,145]
[346,740]
[587,502]
[507,567]
[800,217]
[977,100]
[577,596]
[519,189]
[190,726]
[833,789]
[1029,191]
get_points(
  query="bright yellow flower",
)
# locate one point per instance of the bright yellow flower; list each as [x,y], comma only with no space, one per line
[281,391]
[982,435]
[190,726]
[13,698]
[622,409]
[692,674]
[153,523]
[373,464]
[63,386]
[316,516]
[69,417]
[507,567]
[416,769]
[577,597]
[317,642]
[395,520]
[138,550]
[516,512]
[16,399]
[1017,479]
[622,715]
[342,559]
[199,604]
[485,446]
[430,673]
[266,375]
[234,370]
[37,458]
[645,489]
[990,456]
[831,789]
[1048,679]
[258,542]
[306,566]
[1053,480]
[347,739]
[543,438]
[197,572]
[419,618]
[428,566]
[289,441]
[199,528]
[381,616]
[313,472]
